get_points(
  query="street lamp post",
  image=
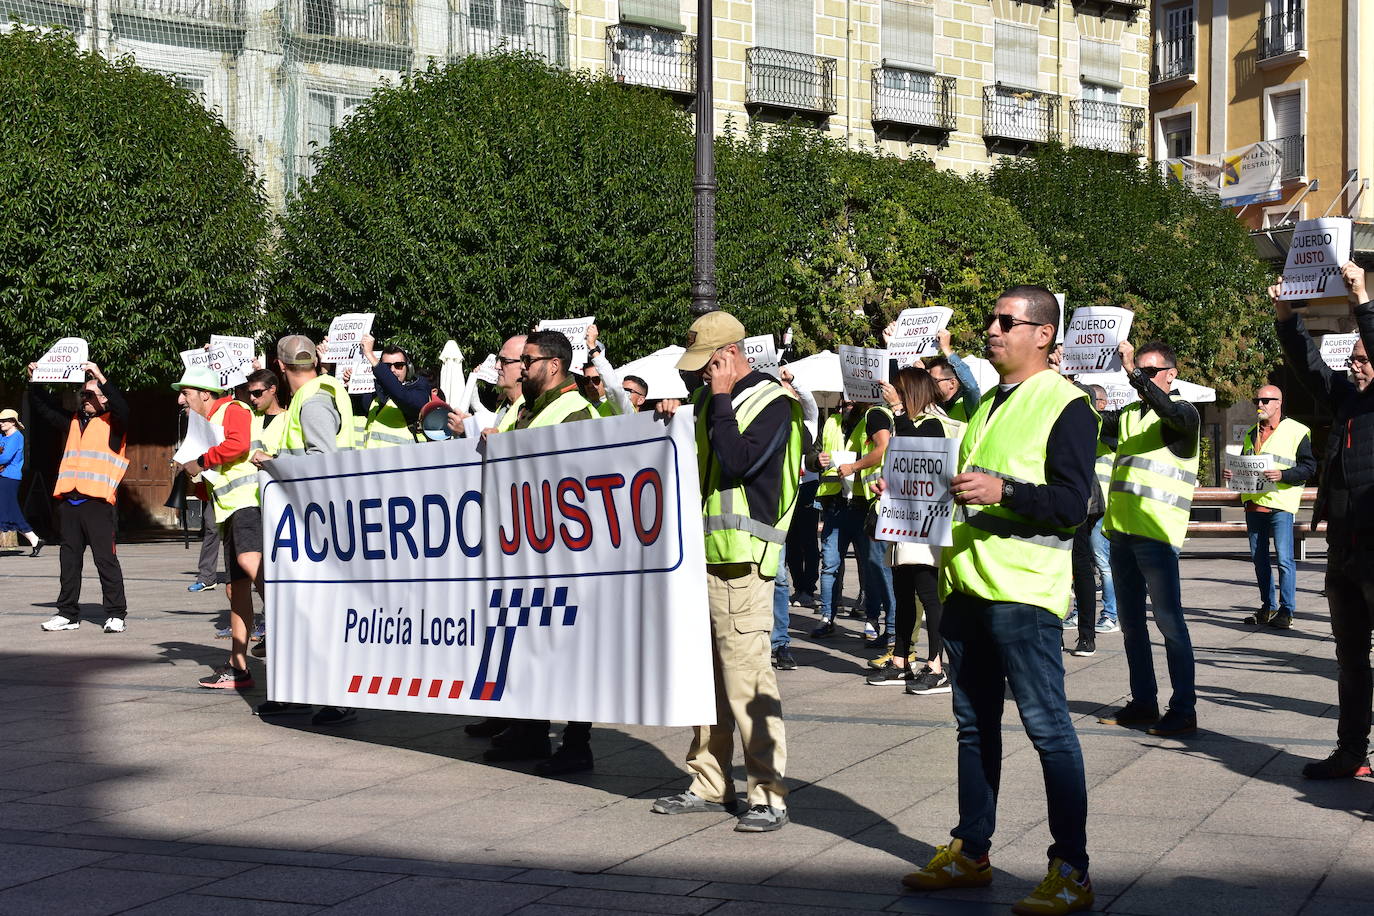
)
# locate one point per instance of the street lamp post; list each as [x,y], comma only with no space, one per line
[704,177]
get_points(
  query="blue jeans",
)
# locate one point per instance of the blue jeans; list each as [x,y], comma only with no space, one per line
[1102,557]
[842,524]
[991,645]
[782,599]
[1142,565]
[1278,525]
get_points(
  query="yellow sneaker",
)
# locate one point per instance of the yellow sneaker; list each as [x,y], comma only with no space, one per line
[881,661]
[1064,890]
[950,868]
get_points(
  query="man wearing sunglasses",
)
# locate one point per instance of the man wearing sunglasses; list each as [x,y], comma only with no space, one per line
[602,385]
[1026,471]
[390,411]
[1148,503]
[1346,502]
[1270,515]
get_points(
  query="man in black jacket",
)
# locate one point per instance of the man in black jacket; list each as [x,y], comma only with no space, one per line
[1346,501]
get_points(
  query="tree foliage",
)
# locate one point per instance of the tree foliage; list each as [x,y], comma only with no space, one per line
[127,215]
[1120,234]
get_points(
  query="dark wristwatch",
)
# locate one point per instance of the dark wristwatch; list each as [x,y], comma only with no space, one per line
[1008,490]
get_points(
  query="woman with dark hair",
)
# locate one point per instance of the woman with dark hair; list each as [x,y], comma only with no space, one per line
[914,397]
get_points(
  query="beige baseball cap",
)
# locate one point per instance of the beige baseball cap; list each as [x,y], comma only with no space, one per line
[296,351]
[708,334]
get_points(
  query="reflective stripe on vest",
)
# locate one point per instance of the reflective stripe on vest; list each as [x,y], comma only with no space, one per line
[998,554]
[293,436]
[233,485]
[1106,460]
[385,426]
[560,408]
[88,466]
[1152,488]
[1282,447]
[267,437]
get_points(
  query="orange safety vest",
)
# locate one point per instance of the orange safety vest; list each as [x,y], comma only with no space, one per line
[88,466]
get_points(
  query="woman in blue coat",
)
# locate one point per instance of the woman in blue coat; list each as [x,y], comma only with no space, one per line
[11,472]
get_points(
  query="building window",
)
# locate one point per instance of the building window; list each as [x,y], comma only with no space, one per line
[1175,52]
[1015,56]
[324,111]
[908,36]
[1178,136]
[787,25]
[1284,127]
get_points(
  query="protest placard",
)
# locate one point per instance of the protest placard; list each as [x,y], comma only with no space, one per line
[346,333]
[486,370]
[362,379]
[1315,256]
[240,347]
[1336,350]
[575,329]
[862,368]
[762,354]
[1092,337]
[844,456]
[1247,473]
[916,505]
[201,436]
[917,334]
[1118,388]
[63,362]
[225,362]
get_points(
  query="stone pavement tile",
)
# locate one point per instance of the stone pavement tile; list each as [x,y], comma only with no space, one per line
[264,856]
[720,854]
[623,901]
[856,867]
[620,831]
[26,816]
[1336,906]
[304,782]
[1295,807]
[416,895]
[176,865]
[763,908]
[199,905]
[22,864]
[1122,795]
[545,909]
[46,777]
[12,760]
[295,828]
[92,891]
[294,884]
[645,761]
[183,817]
[124,793]
[1119,833]
[1351,876]
[611,882]
[429,868]
[9,795]
[105,843]
[797,896]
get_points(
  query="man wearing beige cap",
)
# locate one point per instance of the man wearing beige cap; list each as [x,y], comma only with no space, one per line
[749,444]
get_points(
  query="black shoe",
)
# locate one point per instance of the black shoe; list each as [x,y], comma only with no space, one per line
[885,641]
[277,708]
[228,677]
[524,750]
[928,682]
[1087,647]
[334,715]
[783,659]
[37,548]
[827,628]
[487,728]
[565,761]
[1260,617]
[1132,713]
[1281,621]
[889,675]
[1342,764]
[1174,723]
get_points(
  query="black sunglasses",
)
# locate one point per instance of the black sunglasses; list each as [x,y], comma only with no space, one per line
[256,392]
[1007,322]
[1152,371]
[508,360]
[401,364]
[1259,401]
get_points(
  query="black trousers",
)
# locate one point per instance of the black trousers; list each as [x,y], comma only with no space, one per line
[1085,578]
[1350,594]
[91,524]
[803,544]
[908,584]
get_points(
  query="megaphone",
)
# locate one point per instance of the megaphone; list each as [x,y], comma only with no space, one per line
[434,420]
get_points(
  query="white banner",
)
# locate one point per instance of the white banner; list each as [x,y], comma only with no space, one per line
[762,354]
[346,333]
[917,506]
[862,368]
[1092,337]
[1247,473]
[575,329]
[1315,256]
[63,362]
[917,334]
[1336,350]
[559,576]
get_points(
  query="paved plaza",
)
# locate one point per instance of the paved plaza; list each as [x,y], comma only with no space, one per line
[126,789]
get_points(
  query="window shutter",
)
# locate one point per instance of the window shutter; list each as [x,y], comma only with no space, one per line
[665,14]
[788,25]
[1016,55]
[1100,62]
[1287,115]
[908,35]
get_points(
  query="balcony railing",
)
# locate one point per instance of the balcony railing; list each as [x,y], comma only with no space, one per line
[913,98]
[657,58]
[790,80]
[373,22]
[539,27]
[217,12]
[1128,8]
[1108,126]
[1174,58]
[1020,114]
[1280,34]
[1292,151]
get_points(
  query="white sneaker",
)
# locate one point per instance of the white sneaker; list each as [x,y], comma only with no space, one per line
[114,625]
[58,622]
[1107,625]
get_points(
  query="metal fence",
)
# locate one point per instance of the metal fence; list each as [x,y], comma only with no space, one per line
[1173,58]
[1281,33]
[790,79]
[1020,114]
[378,22]
[913,98]
[1292,151]
[224,12]
[657,58]
[1108,126]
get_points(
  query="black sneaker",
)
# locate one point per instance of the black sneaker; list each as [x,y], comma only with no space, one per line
[1281,621]
[928,682]
[228,678]
[277,708]
[885,641]
[1260,617]
[1132,713]
[783,659]
[487,728]
[1174,723]
[334,715]
[1342,764]
[1087,646]
[889,675]
[37,548]
[566,761]
[827,628]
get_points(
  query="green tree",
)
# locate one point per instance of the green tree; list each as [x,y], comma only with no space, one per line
[127,215]
[1121,234]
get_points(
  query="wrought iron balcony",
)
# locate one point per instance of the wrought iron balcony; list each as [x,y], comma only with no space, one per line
[913,99]
[790,80]
[658,58]
[1281,34]
[1020,115]
[1126,8]
[1292,151]
[69,14]
[383,23]
[1108,126]
[539,27]
[213,12]
[1174,58]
